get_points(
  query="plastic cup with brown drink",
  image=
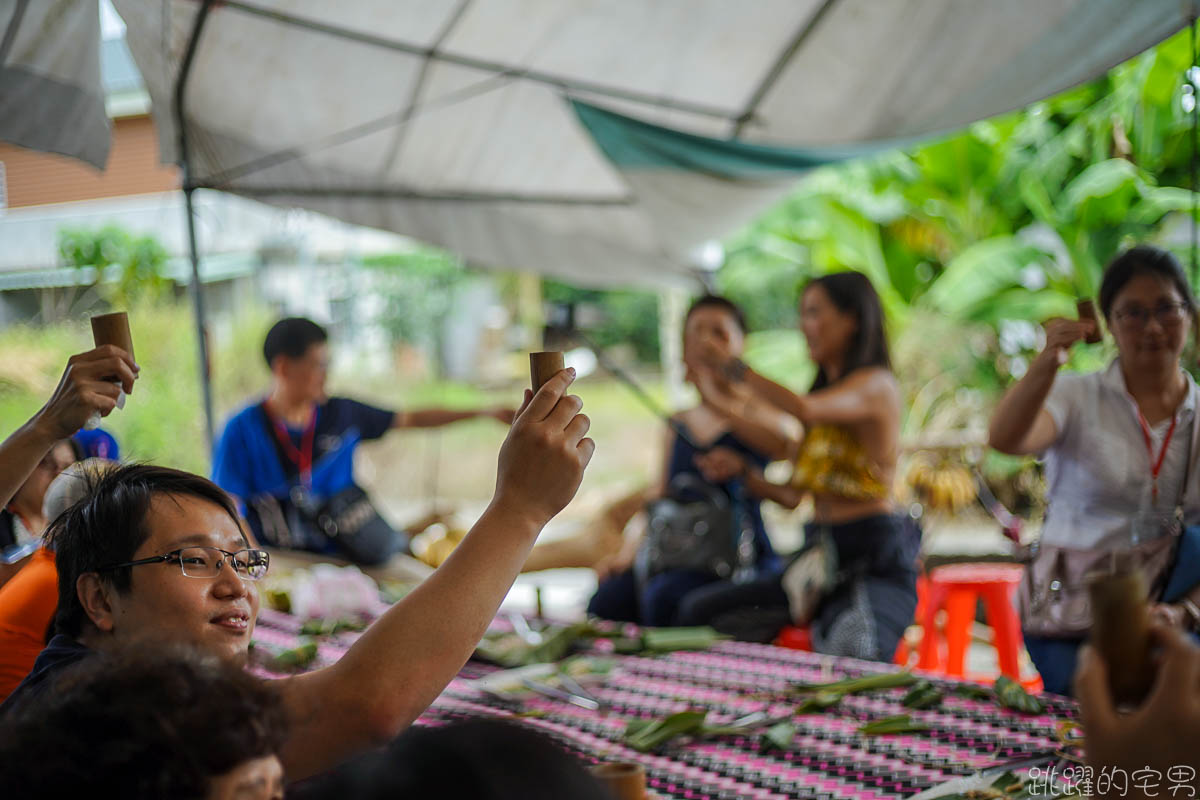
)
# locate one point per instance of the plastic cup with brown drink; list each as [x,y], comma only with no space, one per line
[111,329]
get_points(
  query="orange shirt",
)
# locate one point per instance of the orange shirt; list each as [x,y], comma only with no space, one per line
[27,604]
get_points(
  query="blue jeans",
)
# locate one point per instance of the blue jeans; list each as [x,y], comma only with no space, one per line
[1055,660]
[618,598]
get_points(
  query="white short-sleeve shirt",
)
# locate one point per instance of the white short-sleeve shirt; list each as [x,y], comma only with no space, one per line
[1098,469]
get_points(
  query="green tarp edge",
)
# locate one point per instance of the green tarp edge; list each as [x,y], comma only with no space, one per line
[632,143]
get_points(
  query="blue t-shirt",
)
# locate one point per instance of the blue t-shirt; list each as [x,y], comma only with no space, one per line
[250,462]
[60,653]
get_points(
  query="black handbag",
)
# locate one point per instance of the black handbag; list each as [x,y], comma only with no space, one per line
[700,528]
[348,519]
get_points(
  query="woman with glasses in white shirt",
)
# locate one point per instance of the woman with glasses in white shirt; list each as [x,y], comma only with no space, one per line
[1119,446]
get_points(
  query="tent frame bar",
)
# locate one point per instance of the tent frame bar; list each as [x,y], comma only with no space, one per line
[188,189]
[384,193]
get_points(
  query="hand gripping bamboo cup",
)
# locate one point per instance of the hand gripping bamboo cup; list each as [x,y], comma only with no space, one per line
[625,780]
[544,366]
[111,329]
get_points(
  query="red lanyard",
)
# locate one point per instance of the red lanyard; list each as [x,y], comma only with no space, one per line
[302,457]
[1156,464]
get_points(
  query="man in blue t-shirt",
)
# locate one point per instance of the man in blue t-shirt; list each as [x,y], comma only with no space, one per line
[285,456]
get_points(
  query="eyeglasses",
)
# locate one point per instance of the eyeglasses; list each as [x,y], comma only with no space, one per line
[205,562]
[1167,314]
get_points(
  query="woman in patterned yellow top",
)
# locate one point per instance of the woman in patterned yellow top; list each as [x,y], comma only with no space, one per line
[845,463]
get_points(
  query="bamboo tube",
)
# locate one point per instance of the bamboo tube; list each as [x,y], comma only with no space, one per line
[544,366]
[113,329]
[625,780]
[1121,632]
[1086,310]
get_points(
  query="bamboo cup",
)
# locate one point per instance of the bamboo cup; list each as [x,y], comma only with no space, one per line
[625,780]
[1086,311]
[544,366]
[113,329]
[1121,631]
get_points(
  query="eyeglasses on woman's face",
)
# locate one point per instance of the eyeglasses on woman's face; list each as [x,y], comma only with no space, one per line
[1136,317]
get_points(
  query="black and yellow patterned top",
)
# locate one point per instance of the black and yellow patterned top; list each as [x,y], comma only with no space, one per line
[832,461]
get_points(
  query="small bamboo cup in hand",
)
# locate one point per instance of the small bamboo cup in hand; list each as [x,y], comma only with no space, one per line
[1086,311]
[111,329]
[544,366]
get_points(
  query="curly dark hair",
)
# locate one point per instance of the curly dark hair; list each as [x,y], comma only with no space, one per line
[150,721]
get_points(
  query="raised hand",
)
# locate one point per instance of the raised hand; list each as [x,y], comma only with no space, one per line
[1061,334]
[718,393]
[91,383]
[543,459]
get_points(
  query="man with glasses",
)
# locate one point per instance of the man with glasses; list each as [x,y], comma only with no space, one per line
[158,554]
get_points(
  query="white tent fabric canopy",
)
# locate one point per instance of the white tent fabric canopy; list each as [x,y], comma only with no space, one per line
[600,141]
[50,95]
[452,121]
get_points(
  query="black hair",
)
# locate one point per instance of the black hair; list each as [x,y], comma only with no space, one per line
[724,304]
[108,526]
[1143,260]
[483,759]
[852,293]
[139,722]
[292,337]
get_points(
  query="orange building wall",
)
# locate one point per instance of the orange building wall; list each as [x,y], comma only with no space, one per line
[35,178]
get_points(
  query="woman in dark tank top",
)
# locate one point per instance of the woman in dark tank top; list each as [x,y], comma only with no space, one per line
[656,600]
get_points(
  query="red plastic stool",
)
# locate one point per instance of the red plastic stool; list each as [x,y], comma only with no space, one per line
[797,638]
[794,638]
[957,588]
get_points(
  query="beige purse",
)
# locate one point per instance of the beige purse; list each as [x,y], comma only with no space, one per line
[1053,596]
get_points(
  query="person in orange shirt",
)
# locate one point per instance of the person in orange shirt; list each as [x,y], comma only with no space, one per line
[28,601]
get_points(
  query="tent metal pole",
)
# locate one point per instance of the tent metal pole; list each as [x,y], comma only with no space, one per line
[189,188]
[201,326]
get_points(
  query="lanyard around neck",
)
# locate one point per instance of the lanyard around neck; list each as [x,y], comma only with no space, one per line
[1156,463]
[302,456]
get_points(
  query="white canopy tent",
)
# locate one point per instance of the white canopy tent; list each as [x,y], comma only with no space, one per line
[601,141]
[50,94]
[453,121]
